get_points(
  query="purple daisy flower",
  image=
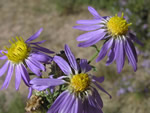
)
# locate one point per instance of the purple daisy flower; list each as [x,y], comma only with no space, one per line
[22,54]
[118,39]
[81,95]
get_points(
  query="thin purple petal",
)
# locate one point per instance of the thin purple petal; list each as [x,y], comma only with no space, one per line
[85,67]
[36,35]
[47,82]
[3,57]
[64,66]
[30,92]
[77,106]
[71,58]
[40,42]
[33,67]
[8,77]
[1,52]
[111,54]
[104,49]
[88,22]
[66,105]
[39,48]
[120,56]
[90,35]
[4,68]
[41,57]
[98,79]
[130,55]
[24,74]
[87,27]
[133,49]
[102,89]
[39,88]
[94,12]
[135,39]
[37,64]
[56,105]
[93,40]
[18,77]
[98,98]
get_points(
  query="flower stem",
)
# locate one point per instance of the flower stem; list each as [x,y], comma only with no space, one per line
[95,55]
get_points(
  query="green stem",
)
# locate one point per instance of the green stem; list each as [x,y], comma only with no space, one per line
[51,95]
[95,55]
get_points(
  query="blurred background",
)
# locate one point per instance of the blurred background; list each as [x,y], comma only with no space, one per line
[130,90]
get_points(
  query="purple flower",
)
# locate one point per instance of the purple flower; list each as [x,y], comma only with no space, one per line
[22,54]
[81,95]
[118,39]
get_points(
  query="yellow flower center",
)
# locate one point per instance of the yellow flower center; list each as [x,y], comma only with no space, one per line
[18,51]
[117,25]
[80,82]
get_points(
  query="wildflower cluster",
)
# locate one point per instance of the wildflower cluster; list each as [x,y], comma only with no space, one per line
[70,87]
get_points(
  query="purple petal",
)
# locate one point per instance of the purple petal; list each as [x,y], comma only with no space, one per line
[93,40]
[88,27]
[94,12]
[30,92]
[88,108]
[1,52]
[98,79]
[85,67]
[71,58]
[80,106]
[40,42]
[88,22]
[18,77]
[120,56]
[92,101]
[133,49]
[102,89]
[111,54]
[56,105]
[39,48]
[37,64]
[77,106]
[135,39]
[90,35]
[41,57]
[85,106]
[98,98]
[64,66]
[130,55]
[92,106]
[24,74]
[67,103]
[3,57]
[36,35]
[8,77]
[33,67]
[4,68]
[39,88]
[46,82]
[104,49]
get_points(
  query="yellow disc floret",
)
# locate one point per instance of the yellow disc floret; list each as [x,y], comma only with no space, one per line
[18,50]
[117,25]
[80,82]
